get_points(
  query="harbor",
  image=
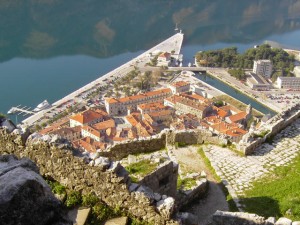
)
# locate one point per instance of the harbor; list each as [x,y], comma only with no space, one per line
[172,44]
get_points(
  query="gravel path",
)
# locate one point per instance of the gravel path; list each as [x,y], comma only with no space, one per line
[191,161]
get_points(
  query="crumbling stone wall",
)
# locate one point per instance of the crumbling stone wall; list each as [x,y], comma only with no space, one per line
[163,180]
[188,196]
[234,218]
[111,186]
[194,137]
[275,125]
[170,137]
[121,150]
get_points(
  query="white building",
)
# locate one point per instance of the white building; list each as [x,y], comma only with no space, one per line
[263,68]
[257,82]
[164,59]
[288,83]
[297,71]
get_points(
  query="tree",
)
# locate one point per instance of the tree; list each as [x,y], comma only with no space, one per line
[2,116]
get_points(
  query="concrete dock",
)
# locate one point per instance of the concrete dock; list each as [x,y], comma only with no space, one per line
[172,44]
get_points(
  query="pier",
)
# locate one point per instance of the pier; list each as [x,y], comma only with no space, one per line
[20,110]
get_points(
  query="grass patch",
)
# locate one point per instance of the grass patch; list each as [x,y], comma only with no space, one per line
[140,168]
[274,195]
[186,183]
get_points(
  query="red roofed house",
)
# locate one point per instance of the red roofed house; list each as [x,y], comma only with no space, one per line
[87,117]
[69,133]
[88,131]
[179,86]
[118,106]
[164,59]
[88,144]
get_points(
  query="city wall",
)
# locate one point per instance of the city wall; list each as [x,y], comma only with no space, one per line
[274,126]
[111,185]
[167,137]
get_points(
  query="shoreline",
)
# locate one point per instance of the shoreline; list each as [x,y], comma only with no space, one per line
[226,82]
[171,44]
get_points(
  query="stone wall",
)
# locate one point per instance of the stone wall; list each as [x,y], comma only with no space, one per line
[274,125]
[196,192]
[121,150]
[191,137]
[234,218]
[163,180]
[170,137]
[112,185]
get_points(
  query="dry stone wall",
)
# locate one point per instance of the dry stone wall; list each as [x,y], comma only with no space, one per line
[163,180]
[274,125]
[111,186]
[170,137]
[235,218]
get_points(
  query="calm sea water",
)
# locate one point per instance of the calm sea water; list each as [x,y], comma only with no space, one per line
[50,48]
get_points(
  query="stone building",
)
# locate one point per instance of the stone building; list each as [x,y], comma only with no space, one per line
[120,106]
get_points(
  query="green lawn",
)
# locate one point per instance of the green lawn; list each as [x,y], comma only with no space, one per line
[277,193]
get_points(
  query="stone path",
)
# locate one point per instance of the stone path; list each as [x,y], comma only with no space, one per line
[203,209]
[239,172]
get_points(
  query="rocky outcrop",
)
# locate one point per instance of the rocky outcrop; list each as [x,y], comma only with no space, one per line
[25,198]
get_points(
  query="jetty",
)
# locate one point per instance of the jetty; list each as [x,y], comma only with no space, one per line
[20,110]
[172,44]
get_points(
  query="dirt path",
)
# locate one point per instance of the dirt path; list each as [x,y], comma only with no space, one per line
[190,161]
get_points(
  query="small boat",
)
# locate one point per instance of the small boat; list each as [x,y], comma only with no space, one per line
[190,64]
[43,105]
[11,111]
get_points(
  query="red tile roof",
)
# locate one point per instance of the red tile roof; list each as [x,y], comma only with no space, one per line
[89,144]
[104,125]
[180,84]
[238,117]
[140,96]
[92,131]
[86,116]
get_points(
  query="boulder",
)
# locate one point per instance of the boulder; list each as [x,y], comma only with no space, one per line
[102,162]
[117,221]
[166,207]
[271,221]
[188,218]
[234,218]
[283,221]
[25,198]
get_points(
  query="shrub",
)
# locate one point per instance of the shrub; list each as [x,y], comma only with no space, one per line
[89,200]
[73,199]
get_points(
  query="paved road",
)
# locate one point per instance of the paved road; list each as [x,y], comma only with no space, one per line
[190,160]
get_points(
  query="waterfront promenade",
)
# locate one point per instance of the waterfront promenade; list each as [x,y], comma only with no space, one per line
[172,44]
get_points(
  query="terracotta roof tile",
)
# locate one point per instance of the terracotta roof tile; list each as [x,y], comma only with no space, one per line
[104,125]
[238,117]
[86,116]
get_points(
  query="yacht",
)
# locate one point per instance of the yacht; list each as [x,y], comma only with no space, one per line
[43,105]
